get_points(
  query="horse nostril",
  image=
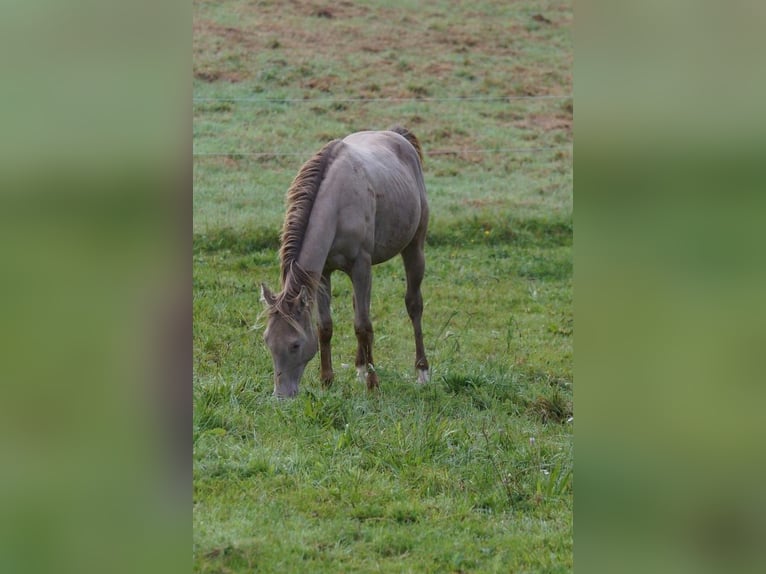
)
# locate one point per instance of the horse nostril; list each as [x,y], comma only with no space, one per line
[279,374]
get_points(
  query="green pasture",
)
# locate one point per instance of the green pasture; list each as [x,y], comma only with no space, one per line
[472,472]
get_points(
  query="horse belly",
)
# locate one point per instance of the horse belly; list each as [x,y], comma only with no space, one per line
[396,223]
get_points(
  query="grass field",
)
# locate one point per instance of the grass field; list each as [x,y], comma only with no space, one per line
[473,472]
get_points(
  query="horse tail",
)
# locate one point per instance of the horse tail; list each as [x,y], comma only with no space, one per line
[410,137]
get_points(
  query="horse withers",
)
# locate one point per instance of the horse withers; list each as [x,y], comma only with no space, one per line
[358,202]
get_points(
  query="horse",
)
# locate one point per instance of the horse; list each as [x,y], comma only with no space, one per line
[357,202]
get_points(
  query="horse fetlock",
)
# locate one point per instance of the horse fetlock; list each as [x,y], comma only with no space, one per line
[327,379]
[366,374]
[372,381]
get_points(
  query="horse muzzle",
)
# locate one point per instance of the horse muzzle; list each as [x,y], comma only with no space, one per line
[286,387]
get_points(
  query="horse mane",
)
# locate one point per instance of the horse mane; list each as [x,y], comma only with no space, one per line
[410,137]
[300,200]
[295,278]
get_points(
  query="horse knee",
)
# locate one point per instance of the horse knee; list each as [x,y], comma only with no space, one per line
[325,332]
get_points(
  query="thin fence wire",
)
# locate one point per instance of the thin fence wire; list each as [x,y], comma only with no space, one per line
[384,100]
[435,152]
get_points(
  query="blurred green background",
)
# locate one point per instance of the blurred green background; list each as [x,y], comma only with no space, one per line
[95,227]
[668,282]
[669,278]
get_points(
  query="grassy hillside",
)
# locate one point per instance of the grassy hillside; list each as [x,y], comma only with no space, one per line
[473,472]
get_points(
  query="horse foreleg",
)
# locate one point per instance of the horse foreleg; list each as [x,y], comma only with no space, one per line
[414,267]
[361,278]
[324,327]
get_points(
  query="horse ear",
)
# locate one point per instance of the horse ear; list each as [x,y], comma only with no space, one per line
[304,298]
[267,296]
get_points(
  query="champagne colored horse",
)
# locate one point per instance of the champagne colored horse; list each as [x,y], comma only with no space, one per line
[358,202]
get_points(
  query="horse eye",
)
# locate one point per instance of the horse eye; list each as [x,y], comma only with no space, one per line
[294,347]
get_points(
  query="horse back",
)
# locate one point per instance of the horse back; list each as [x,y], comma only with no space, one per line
[387,166]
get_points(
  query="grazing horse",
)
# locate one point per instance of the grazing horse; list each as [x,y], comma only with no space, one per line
[358,202]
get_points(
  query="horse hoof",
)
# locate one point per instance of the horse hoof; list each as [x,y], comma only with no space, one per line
[423,376]
[372,381]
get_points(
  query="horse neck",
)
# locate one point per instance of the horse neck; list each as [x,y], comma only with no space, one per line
[318,236]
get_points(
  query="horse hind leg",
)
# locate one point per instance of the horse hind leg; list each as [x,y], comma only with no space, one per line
[415,266]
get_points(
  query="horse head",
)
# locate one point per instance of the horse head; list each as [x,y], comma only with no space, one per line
[291,338]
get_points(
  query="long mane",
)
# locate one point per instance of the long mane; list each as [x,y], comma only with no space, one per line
[300,200]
